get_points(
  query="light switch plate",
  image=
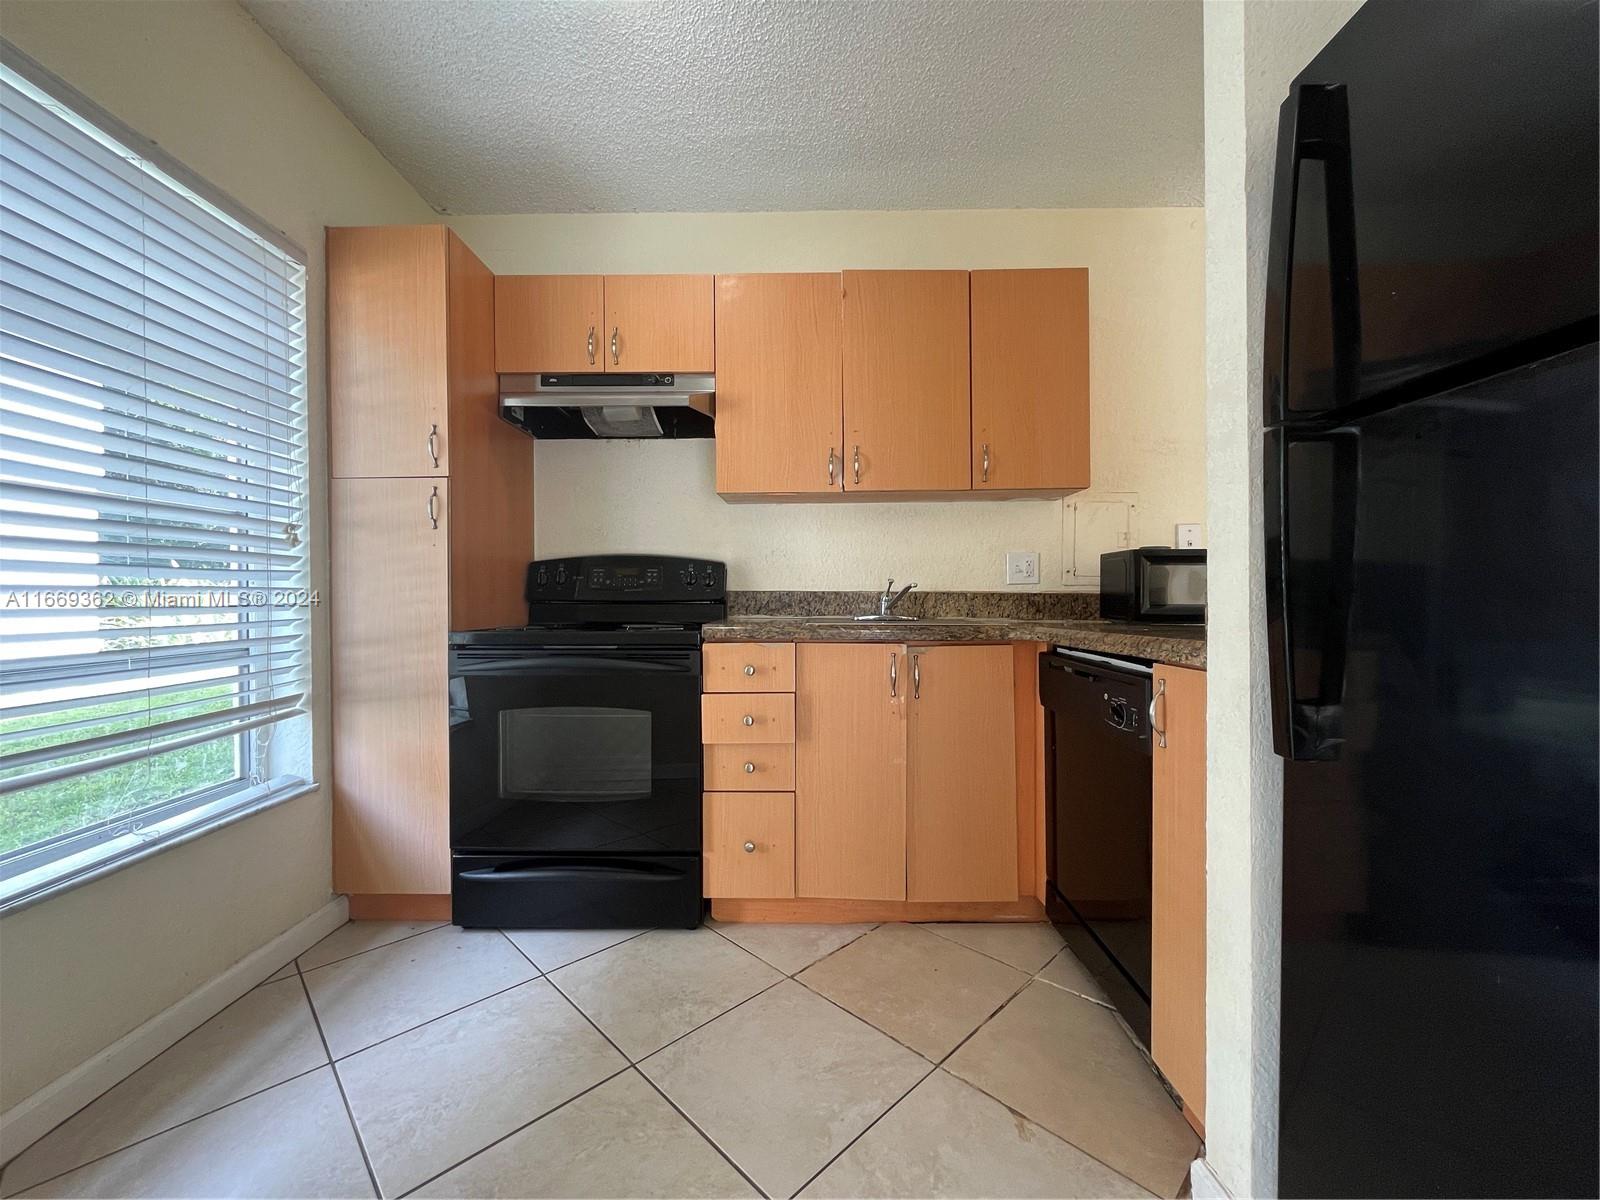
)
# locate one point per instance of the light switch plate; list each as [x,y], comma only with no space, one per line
[1188,537]
[1022,566]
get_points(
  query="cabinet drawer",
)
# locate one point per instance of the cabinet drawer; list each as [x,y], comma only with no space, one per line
[749,844]
[739,767]
[749,666]
[759,717]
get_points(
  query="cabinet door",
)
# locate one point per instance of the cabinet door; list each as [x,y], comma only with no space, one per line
[907,381]
[779,412]
[391,816]
[659,323]
[548,323]
[1030,380]
[1178,884]
[850,771]
[749,845]
[961,803]
[387,356]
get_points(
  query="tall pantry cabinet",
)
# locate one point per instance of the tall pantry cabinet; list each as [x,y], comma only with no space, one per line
[431,528]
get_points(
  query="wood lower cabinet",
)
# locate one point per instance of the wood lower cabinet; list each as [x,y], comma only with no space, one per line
[416,549]
[907,382]
[961,803]
[548,323]
[749,667]
[850,770]
[1178,884]
[753,717]
[749,844]
[1030,380]
[659,323]
[780,415]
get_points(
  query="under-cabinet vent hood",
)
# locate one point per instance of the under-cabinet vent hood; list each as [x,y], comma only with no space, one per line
[636,405]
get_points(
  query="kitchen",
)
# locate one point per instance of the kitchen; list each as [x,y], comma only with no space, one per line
[762,707]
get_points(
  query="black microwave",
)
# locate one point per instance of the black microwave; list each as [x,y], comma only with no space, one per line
[1153,583]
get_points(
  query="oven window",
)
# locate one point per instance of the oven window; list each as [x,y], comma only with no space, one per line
[574,754]
[1169,584]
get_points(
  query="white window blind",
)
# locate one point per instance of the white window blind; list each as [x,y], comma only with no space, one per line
[154,611]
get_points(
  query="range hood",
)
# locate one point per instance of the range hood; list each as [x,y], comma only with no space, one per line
[632,405]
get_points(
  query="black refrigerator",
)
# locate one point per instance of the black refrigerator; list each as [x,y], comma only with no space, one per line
[1430,380]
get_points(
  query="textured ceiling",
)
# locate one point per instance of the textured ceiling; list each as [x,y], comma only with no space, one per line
[507,106]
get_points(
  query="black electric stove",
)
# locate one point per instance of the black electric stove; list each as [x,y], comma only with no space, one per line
[575,759]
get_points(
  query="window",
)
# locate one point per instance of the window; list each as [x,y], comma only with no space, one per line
[154,591]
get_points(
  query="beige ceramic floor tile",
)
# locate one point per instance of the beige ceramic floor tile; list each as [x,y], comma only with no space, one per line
[658,986]
[282,972]
[790,948]
[784,1082]
[263,1038]
[919,988]
[429,1098]
[386,991]
[552,948]
[1067,1064]
[622,1139]
[291,1140]
[1066,971]
[354,937]
[948,1139]
[1025,945]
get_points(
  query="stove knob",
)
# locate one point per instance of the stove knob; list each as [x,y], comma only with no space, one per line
[561,575]
[689,577]
[543,577]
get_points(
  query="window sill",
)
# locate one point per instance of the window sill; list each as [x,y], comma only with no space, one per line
[64,874]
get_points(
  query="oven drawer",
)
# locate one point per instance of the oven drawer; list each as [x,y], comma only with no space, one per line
[740,767]
[550,891]
[749,847]
[749,666]
[760,717]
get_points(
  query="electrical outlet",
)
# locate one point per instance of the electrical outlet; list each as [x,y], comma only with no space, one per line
[1188,537]
[1022,566]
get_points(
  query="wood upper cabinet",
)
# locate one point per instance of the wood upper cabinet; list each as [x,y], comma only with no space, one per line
[779,423]
[391,820]
[1178,884]
[961,803]
[1030,380]
[659,323]
[907,381]
[387,351]
[850,770]
[548,323]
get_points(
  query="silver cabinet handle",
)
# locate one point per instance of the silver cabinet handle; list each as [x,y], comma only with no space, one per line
[894,675]
[916,677]
[986,462]
[750,768]
[857,457]
[433,445]
[1161,734]
[591,345]
[833,460]
[749,847]
[749,669]
[616,344]
[433,508]
[749,720]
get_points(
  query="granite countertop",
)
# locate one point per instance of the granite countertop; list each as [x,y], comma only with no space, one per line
[1059,618]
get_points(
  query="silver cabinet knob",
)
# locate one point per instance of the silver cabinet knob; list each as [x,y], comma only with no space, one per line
[433,445]
[749,669]
[749,768]
[749,720]
[749,847]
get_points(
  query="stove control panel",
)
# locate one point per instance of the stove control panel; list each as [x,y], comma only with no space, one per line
[626,578]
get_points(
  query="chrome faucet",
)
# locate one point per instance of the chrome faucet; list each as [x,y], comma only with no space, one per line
[890,598]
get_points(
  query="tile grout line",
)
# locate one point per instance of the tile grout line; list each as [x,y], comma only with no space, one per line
[1065,949]
[361,1145]
[716,930]
[928,925]
[543,972]
[295,961]
[695,1125]
[923,1078]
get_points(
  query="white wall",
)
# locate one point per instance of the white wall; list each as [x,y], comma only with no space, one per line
[201,78]
[1146,373]
[1252,51]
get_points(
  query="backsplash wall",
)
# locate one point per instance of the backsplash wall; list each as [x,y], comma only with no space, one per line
[1146,325]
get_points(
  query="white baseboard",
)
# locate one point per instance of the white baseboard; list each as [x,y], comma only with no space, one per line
[1204,1184]
[31,1119]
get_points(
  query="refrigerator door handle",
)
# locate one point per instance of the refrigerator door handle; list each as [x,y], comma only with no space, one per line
[1313,123]
[1308,674]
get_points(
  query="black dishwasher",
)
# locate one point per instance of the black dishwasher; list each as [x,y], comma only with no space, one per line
[1097,821]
